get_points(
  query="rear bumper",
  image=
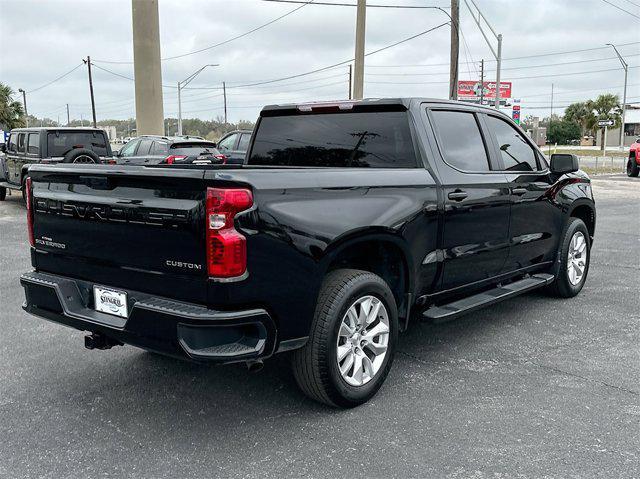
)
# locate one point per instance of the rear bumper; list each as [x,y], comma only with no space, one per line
[159,324]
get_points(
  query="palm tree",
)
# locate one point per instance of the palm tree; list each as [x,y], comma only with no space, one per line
[606,107]
[11,112]
[581,114]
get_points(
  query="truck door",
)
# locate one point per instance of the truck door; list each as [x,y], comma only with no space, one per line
[15,154]
[535,221]
[475,236]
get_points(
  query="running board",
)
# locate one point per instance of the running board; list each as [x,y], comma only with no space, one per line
[447,312]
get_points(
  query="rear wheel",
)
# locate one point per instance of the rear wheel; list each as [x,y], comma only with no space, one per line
[632,168]
[3,193]
[575,253]
[352,340]
[81,156]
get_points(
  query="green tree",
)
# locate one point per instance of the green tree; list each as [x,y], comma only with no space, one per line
[606,107]
[11,112]
[582,114]
[563,132]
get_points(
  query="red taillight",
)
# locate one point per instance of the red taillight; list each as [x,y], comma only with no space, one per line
[172,159]
[226,247]
[221,157]
[28,195]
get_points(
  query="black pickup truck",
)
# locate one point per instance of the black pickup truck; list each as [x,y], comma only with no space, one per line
[347,220]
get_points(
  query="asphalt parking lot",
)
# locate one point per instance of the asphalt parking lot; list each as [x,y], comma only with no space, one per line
[528,388]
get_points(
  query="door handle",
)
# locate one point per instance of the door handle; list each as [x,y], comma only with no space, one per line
[518,191]
[457,195]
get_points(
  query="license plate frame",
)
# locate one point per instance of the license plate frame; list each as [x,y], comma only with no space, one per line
[110,301]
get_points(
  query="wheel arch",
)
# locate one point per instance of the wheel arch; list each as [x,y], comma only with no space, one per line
[585,211]
[380,252]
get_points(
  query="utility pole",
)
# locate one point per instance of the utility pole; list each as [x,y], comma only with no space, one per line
[550,119]
[455,49]
[625,66]
[481,81]
[68,118]
[224,94]
[350,80]
[93,103]
[478,16]
[24,103]
[498,68]
[361,22]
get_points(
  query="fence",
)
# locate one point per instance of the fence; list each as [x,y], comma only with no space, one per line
[595,165]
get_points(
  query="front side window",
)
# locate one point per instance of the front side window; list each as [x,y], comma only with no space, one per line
[243,144]
[13,142]
[60,143]
[144,148]
[460,140]
[517,154]
[228,142]
[34,144]
[130,148]
[351,140]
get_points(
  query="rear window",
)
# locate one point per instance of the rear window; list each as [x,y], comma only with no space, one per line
[193,148]
[376,140]
[61,142]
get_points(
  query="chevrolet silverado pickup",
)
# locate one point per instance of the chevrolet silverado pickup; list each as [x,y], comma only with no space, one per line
[346,221]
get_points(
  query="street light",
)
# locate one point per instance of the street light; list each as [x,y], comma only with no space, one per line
[24,102]
[182,84]
[625,66]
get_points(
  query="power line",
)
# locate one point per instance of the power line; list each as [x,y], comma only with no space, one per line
[229,40]
[621,9]
[508,59]
[510,68]
[57,79]
[354,5]
[633,3]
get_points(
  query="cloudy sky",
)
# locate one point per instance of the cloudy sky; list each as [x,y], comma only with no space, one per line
[42,40]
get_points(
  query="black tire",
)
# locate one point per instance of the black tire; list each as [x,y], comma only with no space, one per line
[81,155]
[562,286]
[633,169]
[3,193]
[315,365]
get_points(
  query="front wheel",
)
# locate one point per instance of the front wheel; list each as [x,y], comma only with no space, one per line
[632,168]
[574,256]
[352,340]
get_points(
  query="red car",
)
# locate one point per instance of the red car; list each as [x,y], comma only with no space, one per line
[633,165]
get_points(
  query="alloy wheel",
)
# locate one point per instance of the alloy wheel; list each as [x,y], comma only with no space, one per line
[362,340]
[577,258]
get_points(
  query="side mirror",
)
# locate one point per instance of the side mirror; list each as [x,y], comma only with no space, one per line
[564,163]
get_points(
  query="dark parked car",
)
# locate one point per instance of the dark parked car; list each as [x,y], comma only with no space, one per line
[155,150]
[27,146]
[346,221]
[234,145]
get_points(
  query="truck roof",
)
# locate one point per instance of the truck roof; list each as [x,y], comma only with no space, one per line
[365,104]
[56,128]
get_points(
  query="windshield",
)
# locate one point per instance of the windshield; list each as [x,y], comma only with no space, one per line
[62,142]
[377,140]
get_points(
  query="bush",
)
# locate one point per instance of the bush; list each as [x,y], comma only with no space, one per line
[563,132]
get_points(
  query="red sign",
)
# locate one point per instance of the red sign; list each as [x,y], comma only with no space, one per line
[471,89]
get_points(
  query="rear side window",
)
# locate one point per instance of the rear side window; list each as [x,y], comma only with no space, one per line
[517,154]
[460,140]
[33,147]
[60,143]
[159,148]
[228,142]
[21,143]
[376,140]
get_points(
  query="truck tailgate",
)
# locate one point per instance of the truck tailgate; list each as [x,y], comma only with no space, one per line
[132,227]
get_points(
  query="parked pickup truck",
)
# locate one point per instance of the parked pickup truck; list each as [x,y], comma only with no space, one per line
[633,163]
[347,220]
